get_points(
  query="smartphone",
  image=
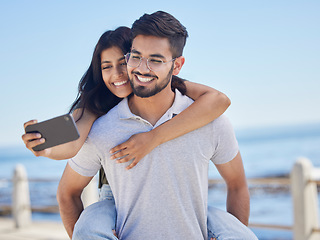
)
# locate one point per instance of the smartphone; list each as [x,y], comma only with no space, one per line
[55,131]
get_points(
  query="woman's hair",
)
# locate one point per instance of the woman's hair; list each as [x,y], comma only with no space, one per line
[93,94]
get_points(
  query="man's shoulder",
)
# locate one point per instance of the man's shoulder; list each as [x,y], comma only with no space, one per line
[106,117]
[110,117]
[221,122]
[223,119]
[221,126]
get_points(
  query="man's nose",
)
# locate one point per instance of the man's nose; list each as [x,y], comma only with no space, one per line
[143,66]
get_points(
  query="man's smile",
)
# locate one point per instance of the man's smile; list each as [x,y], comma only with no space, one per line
[144,79]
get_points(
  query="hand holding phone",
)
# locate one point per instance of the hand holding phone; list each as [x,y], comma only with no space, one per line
[55,131]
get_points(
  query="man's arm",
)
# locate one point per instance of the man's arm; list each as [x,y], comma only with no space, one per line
[238,199]
[69,192]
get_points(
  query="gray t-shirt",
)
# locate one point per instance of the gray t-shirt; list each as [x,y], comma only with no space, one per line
[165,195]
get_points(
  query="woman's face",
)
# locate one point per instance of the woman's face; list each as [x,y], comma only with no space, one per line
[114,72]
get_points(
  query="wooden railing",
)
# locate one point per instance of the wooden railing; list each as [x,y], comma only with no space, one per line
[21,208]
[263,181]
[303,180]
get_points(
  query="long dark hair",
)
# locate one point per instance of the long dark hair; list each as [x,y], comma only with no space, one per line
[93,93]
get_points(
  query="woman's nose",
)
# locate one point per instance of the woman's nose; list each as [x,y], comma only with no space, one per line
[120,70]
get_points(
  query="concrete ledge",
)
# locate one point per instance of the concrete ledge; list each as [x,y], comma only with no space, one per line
[43,230]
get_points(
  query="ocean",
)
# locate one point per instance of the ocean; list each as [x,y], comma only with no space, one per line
[266,152]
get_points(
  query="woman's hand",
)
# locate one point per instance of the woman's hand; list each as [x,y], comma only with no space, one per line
[34,139]
[135,148]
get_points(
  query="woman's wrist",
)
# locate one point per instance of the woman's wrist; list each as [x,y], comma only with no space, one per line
[157,136]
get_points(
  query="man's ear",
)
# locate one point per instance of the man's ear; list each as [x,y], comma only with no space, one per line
[178,63]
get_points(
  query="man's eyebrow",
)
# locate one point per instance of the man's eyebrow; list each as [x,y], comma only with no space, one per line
[158,55]
[135,51]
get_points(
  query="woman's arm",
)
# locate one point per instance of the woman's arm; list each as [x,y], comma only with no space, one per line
[208,105]
[66,150]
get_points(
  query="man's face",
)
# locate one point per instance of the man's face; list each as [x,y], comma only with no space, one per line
[145,82]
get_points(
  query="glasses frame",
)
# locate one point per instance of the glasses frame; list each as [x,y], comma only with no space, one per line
[127,56]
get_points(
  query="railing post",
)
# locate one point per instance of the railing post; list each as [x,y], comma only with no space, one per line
[21,208]
[305,203]
[90,193]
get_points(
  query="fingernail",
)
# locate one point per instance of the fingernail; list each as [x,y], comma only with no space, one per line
[42,140]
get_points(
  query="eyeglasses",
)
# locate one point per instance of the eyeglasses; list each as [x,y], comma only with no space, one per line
[153,63]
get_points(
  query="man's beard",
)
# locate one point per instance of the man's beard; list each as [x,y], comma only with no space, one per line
[145,92]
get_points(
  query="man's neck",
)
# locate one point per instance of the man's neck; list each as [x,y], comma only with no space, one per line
[152,108]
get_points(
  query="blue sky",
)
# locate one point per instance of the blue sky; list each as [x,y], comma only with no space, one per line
[265,55]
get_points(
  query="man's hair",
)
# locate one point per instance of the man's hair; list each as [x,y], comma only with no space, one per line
[163,25]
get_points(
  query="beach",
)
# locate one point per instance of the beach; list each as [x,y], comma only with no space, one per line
[266,153]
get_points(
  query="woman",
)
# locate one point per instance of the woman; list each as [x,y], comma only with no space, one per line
[103,86]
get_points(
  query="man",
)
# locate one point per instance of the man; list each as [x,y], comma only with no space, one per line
[165,195]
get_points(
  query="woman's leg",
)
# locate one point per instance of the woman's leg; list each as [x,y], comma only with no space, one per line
[98,220]
[222,226]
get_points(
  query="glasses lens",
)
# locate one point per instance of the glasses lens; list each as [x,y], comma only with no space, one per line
[155,64]
[133,60]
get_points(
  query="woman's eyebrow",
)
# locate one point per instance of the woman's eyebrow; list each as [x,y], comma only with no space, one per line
[106,61]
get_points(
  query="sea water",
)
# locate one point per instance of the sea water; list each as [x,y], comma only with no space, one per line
[272,152]
[266,152]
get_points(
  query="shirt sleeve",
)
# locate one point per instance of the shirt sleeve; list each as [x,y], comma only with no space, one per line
[226,143]
[87,162]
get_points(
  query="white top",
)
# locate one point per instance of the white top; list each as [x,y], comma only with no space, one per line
[166,193]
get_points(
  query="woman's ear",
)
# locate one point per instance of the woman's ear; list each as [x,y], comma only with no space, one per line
[178,63]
